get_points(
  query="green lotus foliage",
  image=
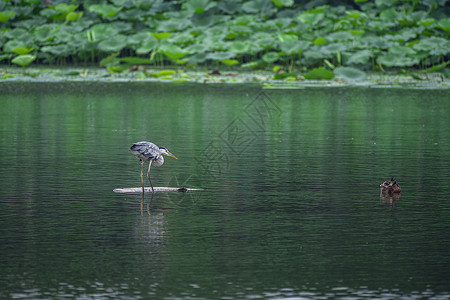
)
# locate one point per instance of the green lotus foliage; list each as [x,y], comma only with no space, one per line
[24,60]
[296,35]
[320,73]
[6,15]
[107,11]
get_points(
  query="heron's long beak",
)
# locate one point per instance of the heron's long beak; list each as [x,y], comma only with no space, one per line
[170,154]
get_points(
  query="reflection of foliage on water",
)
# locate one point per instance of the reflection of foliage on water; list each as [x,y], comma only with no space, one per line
[254,34]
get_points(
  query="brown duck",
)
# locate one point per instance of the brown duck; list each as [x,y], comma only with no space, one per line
[390,187]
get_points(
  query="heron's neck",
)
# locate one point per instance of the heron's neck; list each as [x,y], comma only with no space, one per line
[158,161]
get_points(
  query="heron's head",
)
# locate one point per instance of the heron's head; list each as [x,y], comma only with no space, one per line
[164,151]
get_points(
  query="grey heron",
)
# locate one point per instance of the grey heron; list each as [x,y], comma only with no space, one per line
[149,152]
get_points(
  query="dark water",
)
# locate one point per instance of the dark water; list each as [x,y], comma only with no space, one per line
[291,206]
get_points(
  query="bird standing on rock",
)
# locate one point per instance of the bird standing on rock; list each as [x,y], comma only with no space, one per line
[149,152]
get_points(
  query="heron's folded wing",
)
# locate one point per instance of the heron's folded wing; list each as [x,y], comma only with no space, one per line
[146,149]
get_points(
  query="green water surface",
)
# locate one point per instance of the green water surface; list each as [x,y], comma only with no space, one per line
[291,205]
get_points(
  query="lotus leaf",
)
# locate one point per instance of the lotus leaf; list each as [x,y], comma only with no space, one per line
[146,46]
[360,57]
[199,6]
[105,10]
[197,58]
[313,54]
[30,24]
[381,26]
[380,3]
[118,68]
[355,14]
[310,18]
[134,14]
[165,73]
[161,35]
[270,57]
[426,22]
[284,23]
[139,38]
[146,4]
[59,12]
[438,67]
[230,62]
[19,34]
[50,13]
[172,51]
[13,44]
[45,32]
[103,32]
[209,43]
[348,73]
[81,24]
[293,47]
[340,36]
[229,6]
[207,19]
[58,50]
[243,20]
[65,9]
[393,60]
[389,14]
[403,35]
[174,25]
[23,50]
[220,55]
[334,48]
[122,27]
[374,42]
[240,29]
[281,3]
[64,34]
[239,47]
[114,44]
[6,15]
[356,32]
[24,60]
[251,65]
[319,74]
[74,16]
[288,38]
[262,42]
[444,24]
[197,48]
[320,41]
[263,7]
[402,50]
[110,60]
[432,44]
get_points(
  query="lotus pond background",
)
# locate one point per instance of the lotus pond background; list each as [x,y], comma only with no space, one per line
[281,35]
[290,206]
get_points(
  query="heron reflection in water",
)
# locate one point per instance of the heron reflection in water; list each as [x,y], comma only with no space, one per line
[149,152]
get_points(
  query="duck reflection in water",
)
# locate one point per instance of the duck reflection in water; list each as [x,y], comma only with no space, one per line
[390,191]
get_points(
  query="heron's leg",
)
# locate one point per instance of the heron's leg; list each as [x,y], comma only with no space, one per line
[142,178]
[148,176]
